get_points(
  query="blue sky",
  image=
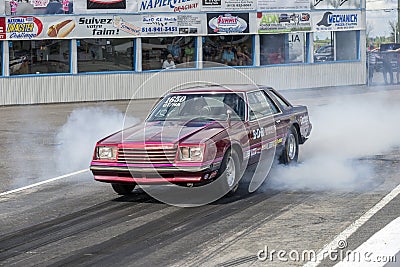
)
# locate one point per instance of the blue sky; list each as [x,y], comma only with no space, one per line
[379,13]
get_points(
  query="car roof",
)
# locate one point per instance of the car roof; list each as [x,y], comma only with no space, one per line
[225,88]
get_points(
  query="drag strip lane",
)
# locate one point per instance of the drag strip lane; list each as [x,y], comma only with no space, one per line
[42,182]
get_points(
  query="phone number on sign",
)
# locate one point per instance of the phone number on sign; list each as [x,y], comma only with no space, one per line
[159,29]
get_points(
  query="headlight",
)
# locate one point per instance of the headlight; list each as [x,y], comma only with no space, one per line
[106,152]
[191,153]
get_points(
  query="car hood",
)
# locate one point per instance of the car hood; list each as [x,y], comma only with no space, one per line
[170,132]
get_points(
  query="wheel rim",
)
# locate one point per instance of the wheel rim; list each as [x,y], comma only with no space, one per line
[230,172]
[291,146]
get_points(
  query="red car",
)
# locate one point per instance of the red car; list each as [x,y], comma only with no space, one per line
[201,134]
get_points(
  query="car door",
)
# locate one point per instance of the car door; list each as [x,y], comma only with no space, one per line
[261,124]
[283,118]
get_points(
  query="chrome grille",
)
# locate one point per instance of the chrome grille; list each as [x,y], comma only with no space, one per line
[143,156]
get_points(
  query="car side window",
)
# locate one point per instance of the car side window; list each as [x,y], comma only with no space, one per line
[280,100]
[260,105]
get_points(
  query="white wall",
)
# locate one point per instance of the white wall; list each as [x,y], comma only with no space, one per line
[72,88]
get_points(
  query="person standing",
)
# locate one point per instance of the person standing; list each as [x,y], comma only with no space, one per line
[371,64]
[398,65]
[387,66]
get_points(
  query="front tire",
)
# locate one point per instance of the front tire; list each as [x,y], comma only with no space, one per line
[123,189]
[230,172]
[290,153]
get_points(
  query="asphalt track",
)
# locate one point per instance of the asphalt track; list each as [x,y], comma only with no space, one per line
[74,221]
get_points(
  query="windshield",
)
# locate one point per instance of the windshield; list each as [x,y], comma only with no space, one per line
[199,107]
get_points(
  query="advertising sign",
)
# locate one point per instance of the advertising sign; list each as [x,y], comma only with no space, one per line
[283,22]
[104,6]
[223,23]
[283,4]
[146,6]
[23,27]
[335,4]
[174,24]
[235,5]
[337,20]
[111,26]
[2,28]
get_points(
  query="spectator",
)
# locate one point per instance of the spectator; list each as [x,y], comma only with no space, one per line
[228,57]
[13,7]
[242,58]
[175,50]
[276,57]
[65,6]
[248,54]
[169,63]
[54,7]
[189,52]
[372,56]
[386,58]
[207,53]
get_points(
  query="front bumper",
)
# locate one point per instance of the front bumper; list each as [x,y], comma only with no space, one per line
[154,175]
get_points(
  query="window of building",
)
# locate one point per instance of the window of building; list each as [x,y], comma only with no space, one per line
[231,50]
[169,52]
[324,46]
[283,48]
[38,57]
[100,55]
[347,45]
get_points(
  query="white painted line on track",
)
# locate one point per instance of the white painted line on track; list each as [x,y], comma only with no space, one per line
[42,182]
[352,228]
[378,249]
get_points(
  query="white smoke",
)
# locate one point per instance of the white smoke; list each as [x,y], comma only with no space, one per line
[78,136]
[344,131]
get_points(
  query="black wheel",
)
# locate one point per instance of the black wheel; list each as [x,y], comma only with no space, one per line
[290,152]
[123,189]
[229,172]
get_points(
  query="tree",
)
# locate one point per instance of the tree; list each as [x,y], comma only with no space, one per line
[394,33]
[368,31]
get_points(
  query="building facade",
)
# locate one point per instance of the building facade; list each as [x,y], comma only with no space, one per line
[89,50]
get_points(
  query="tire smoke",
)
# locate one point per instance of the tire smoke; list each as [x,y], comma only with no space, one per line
[78,136]
[344,131]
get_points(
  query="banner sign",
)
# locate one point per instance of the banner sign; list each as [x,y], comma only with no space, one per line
[283,22]
[146,6]
[174,24]
[337,20]
[235,5]
[335,4]
[283,4]
[112,26]
[105,6]
[23,27]
[223,23]
[2,28]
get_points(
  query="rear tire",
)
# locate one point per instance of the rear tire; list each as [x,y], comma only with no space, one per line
[229,172]
[123,189]
[290,152]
